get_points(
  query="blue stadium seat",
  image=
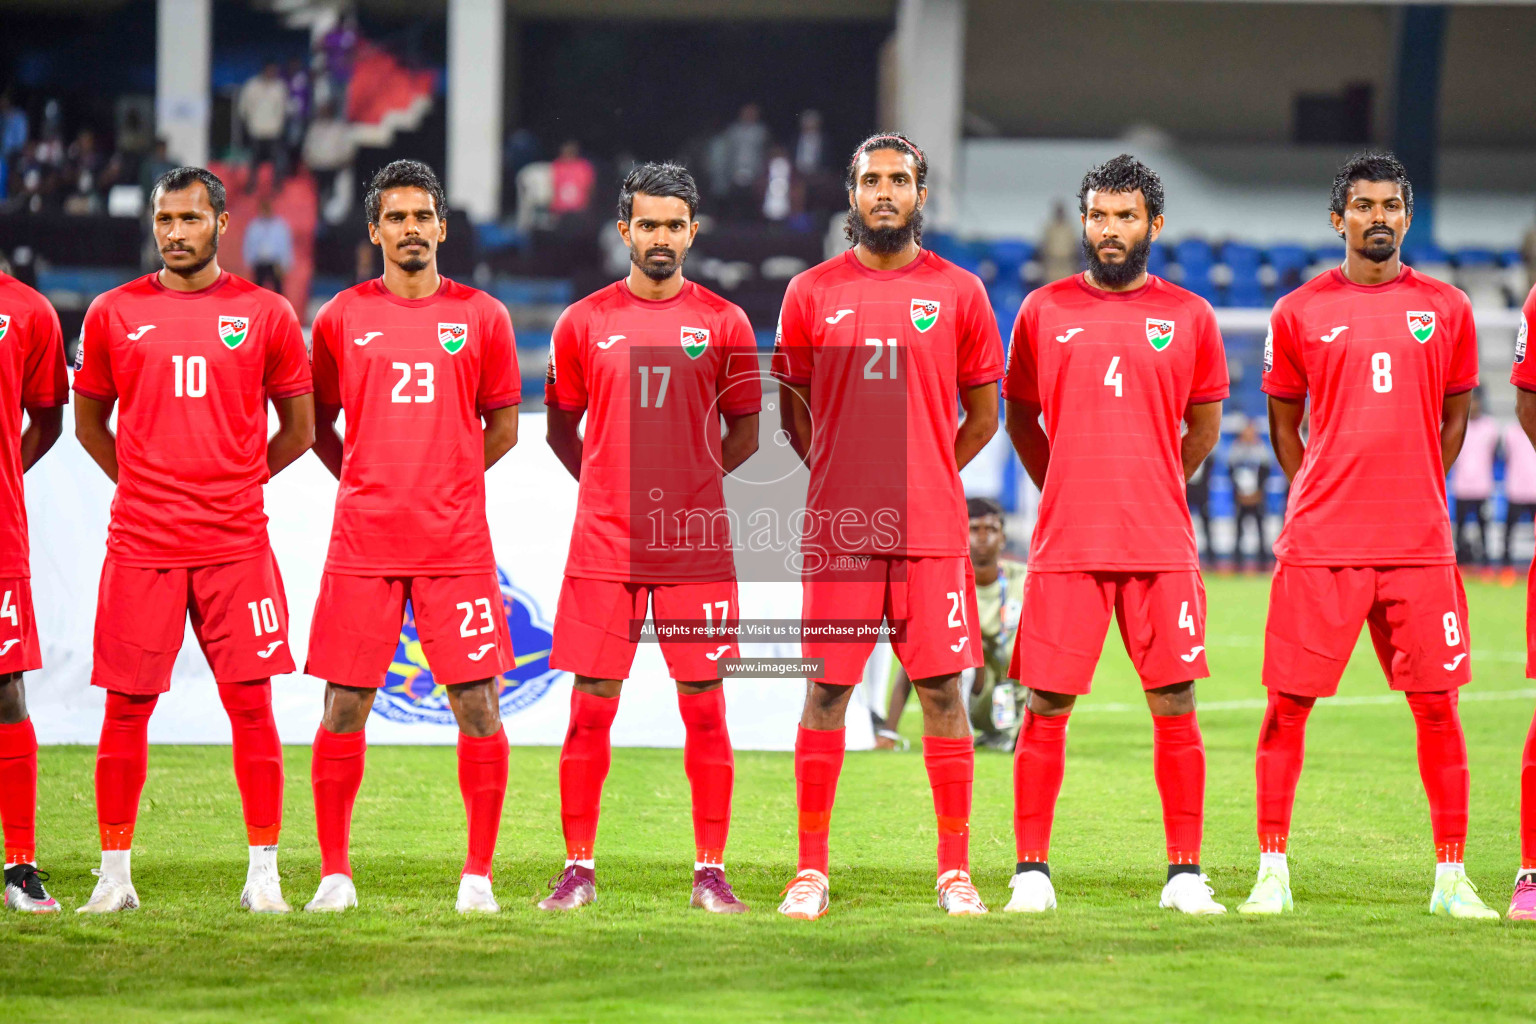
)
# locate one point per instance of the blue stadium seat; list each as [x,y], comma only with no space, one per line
[1424,252]
[1195,259]
[1476,258]
[1157,259]
[1245,289]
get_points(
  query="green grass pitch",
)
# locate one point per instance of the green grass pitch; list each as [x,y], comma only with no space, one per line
[1360,946]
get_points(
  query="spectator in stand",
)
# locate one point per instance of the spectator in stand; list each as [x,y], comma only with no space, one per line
[13,128]
[329,147]
[340,48]
[153,166]
[1248,466]
[1059,245]
[300,93]
[810,145]
[778,187]
[83,200]
[1519,492]
[743,148]
[263,109]
[268,248]
[573,176]
[1471,483]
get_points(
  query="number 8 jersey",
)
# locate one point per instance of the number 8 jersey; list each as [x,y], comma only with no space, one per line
[413,377]
[1377,363]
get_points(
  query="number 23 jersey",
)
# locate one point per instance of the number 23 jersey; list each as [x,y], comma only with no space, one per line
[413,377]
[1376,363]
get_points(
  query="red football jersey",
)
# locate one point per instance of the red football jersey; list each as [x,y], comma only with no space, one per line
[32,376]
[885,353]
[1114,373]
[1524,373]
[413,377]
[1376,363]
[191,373]
[654,378]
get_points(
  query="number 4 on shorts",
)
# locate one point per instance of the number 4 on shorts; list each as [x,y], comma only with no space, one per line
[1186,620]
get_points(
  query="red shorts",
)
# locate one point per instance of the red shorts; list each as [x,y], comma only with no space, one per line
[1417,615]
[1066,616]
[597,626]
[460,621]
[239,615]
[19,651]
[930,602]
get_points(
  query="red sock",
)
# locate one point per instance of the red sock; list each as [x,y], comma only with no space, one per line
[483,784]
[818,762]
[1178,764]
[18,791]
[584,761]
[1527,803]
[336,774]
[711,768]
[1282,745]
[122,762]
[1039,761]
[951,763]
[1443,767]
[258,758]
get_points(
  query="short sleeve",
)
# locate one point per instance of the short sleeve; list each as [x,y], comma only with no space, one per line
[739,385]
[325,356]
[1285,376]
[1462,376]
[93,367]
[565,378]
[792,355]
[501,384]
[287,365]
[979,347]
[1211,383]
[1524,373]
[44,382]
[1022,384]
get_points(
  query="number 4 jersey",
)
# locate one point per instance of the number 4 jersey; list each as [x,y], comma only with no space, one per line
[1113,373]
[413,377]
[1377,363]
[191,373]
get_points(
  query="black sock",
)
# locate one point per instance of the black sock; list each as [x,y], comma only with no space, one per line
[1032,865]
[1526,876]
[1182,869]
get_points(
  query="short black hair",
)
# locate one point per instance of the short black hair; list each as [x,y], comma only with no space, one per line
[1123,174]
[888,140]
[1370,165]
[178,178]
[666,181]
[975,507]
[404,174]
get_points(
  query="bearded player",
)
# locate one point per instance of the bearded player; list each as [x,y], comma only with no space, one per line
[32,381]
[189,356]
[654,363]
[1522,905]
[1388,359]
[425,369]
[1120,363]
[874,347]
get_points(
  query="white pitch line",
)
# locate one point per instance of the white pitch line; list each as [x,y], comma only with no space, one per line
[1374,699]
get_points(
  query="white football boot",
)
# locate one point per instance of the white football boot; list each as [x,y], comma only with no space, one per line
[1032,893]
[475,896]
[336,893]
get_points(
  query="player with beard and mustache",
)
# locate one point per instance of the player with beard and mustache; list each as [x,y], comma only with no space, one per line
[653,363]
[875,346]
[189,356]
[1387,357]
[1118,363]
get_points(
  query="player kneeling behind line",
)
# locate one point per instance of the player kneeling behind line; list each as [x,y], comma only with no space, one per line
[653,363]
[425,369]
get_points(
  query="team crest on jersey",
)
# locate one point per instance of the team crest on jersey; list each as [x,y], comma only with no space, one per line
[1520,336]
[1421,325]
[925,313]
[1159,333]
[5,326]
[410,694]
[233,329]
[1269,350]
[452,337]
[695,341]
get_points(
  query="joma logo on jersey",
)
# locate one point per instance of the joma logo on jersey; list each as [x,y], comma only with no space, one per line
[1159,333]
[452,336]
[233,329]
[5,326]
[925,313]
[1421,325]
[695,341]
